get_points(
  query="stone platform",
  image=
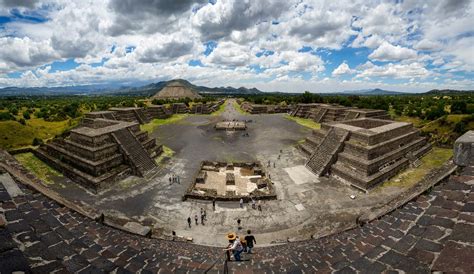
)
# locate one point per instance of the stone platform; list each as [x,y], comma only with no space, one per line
[431,233]
[231,125]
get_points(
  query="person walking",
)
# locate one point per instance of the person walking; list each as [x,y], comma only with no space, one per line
[250,240]
[241,202]
[259,206]
[202,218]
[196,219]
[253,204]
[235,246]
[214,204]
[170,180]
[205,215]
[238,224]
[189,222]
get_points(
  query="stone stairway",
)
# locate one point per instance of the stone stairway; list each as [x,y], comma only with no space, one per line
[135,152]
[351,115]
[295,111]
[140,116]
[324,154]
[108,116]
[320,115]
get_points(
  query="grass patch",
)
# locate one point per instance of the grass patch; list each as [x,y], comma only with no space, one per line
[15,135]
[38,167]
[151,126]
[238,108]
[167,153]
[304,122]
[220,110]
[434,159]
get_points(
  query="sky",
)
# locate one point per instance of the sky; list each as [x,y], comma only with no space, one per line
[274,45]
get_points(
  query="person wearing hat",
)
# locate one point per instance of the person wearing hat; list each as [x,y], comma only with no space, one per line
[234,245]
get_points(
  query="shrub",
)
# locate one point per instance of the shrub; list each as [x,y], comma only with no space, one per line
[37,141]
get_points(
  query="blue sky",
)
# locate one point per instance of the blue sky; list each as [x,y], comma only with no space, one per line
[292,46]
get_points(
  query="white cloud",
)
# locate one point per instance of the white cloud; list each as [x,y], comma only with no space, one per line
[389,52]
[398,71]
[342,69]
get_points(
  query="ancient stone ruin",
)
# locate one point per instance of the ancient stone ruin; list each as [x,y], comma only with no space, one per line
[231,125]
[131,114]
[323,113]
[262,109]
[365,151]
[101,151]
[230,181]
[205,108]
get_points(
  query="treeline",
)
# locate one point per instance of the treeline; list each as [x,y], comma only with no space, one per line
[429,107]
[60,108]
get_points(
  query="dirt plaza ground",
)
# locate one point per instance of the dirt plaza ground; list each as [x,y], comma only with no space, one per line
[306,206]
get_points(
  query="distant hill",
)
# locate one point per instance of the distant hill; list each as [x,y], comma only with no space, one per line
[448,91]
[145,90]
[376,91]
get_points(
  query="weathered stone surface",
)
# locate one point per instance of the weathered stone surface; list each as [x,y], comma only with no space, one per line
[137,228]
[464,149]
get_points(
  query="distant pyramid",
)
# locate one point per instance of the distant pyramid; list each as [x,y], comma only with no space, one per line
[175,90]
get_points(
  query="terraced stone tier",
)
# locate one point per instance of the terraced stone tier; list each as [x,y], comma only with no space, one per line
[431,233]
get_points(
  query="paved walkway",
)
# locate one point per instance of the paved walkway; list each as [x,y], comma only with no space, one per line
[433,232]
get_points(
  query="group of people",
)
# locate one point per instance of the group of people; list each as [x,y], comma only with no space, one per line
[255,205]
[174,179]
[196,218]
[237,245]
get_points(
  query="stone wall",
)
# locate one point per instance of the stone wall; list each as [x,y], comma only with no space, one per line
[464,149]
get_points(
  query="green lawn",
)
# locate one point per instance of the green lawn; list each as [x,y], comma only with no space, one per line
[15,135]
[304,122]
[38,167]
[220,110]
[151,126]
[434,159]
[238,108]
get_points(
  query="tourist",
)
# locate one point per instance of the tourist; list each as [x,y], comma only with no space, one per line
[253,204]
[170,179]
[241,202]
[205,215]
[214,204]
[259,206]
[202,218]
[238,223]
[196,219]
[250,240]
[189,222]
[235,246]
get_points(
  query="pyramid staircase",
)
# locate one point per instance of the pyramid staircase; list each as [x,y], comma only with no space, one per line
[325,154]
[135,153]
[320,115]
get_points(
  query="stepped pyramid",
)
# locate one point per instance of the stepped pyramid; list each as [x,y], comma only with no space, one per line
[175,90]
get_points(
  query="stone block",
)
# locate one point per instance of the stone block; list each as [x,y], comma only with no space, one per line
[464,149]
[137,228]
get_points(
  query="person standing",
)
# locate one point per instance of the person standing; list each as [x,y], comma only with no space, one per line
[250,239]
[241,202]
[189,222]
[259,206]
[214,204]
[253,204]
[196,219]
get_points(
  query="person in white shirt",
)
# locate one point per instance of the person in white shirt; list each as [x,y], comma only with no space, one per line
[235,246]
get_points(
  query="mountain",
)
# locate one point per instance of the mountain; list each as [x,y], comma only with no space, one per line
[376,91]
[117,89]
